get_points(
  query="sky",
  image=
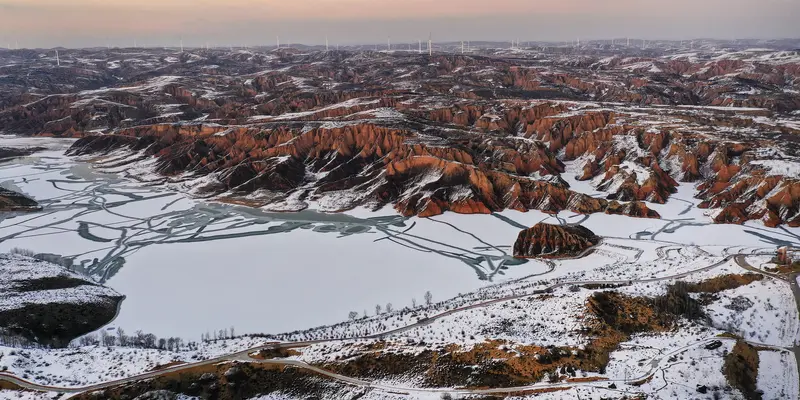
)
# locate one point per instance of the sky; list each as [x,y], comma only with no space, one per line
[85,23]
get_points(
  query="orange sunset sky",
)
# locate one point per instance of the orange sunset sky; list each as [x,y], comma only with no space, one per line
[75,23]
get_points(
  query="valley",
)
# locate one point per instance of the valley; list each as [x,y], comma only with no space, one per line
[524,223]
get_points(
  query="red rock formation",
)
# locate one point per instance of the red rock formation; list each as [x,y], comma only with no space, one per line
[558,131]
[554,241]
[382,165]
[632,209]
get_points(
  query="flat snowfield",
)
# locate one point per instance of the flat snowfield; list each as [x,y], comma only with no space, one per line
[189,266]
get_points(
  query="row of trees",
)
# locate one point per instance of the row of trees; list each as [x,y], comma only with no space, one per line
[138,339]
[11,340]
[353,315]
[218,335]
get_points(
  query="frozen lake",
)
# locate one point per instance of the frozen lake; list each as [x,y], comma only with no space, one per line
[189,266]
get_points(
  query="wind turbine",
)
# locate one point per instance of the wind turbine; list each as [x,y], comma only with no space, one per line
[420,47]
[278,38]
[462,47]
[58,60]
[326,43]
[181,44]
[389,43]
[430,45]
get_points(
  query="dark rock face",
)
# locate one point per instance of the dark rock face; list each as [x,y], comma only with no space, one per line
[7,153]
[13,201]
[46,304]
[554,241]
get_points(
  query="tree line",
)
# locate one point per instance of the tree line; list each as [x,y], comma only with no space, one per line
[139,340]
[353,315]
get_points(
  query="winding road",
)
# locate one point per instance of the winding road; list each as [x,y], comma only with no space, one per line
[244,356]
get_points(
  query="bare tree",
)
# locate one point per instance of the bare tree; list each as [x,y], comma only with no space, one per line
[378,309]
[413,303]
[123,340]
[107,339]
[232,334]
[389,307]
[170,343]
[162,343]
[352,316]
[150,341]
[88,340]
[428,298]
[365,314]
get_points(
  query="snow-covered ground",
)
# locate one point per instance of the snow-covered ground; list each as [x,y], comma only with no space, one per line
[81,366]
[763,312]
[775,375]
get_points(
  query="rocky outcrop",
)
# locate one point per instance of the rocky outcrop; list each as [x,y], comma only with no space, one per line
[754,194]
[636,209]
[13,201]
[631,182]
[554,241]
[45,303]
[7,153]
